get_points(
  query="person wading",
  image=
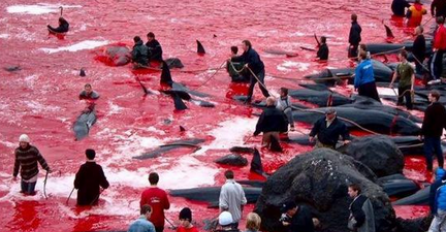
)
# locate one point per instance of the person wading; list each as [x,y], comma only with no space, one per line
[89,180]
[322,52]
[354,37]
[139,53]
[26,158]
[326,131]
[405,73]
[271,122]
[143,224]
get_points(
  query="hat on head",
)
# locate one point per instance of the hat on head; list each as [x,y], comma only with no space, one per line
[186,214]
[24,138]
[288,205]
[225,218]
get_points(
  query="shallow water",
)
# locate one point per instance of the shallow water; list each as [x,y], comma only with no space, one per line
[41,99]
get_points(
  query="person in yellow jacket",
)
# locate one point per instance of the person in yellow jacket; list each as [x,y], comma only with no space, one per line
[415,14]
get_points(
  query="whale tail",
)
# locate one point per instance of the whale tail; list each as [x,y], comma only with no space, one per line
[200,48]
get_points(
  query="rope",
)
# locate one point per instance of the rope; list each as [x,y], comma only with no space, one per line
[213,75]
[69,196]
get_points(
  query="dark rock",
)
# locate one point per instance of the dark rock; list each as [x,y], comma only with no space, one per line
[379,153]
[414,225]
[232,159]
[320,179]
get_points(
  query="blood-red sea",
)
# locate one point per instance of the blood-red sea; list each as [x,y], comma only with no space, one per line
[41,99]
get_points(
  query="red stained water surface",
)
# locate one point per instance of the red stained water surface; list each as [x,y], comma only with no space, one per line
[41,99]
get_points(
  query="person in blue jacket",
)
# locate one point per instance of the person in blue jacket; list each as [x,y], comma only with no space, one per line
[437,200]
[365,78]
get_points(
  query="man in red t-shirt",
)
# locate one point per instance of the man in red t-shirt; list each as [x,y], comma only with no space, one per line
[439,48]
[157,199]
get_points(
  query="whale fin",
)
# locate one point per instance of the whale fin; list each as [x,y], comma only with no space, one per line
[275,145]
[256,163]
[389,33]
[179,104]
[166,77]
[200,48]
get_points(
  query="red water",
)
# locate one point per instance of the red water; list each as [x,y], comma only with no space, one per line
[41,99]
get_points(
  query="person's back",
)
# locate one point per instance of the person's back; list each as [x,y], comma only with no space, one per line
[322,53]
[272,119]
[355,33]
[252,58]
[139,52]
[232,197]
[440,38]
[157,199]
[434,120]
[88,181]
[364,73]
[399,6]
[438,8]
[419,47]
[156,52]
[302,221]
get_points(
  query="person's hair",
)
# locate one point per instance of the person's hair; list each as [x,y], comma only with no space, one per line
[435,94]
[234,49]
[229,174]
[323,39]
[136,39]
[354,17]
[247,43]
[355,187]
[151,35]
[403,53]
[421,29]
[90,153]
[363,54]
[270,101]
[153,178]
[284,90]
[363,47]
[440,20]
[87,85]
[253,221]
[145,209]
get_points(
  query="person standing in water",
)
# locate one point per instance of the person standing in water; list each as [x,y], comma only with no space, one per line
[157,199]
[354,37]
[284,104]
[322,52]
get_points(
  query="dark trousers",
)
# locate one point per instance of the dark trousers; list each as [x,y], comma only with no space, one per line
[436,65]
[419,65]
[28,188]
[407,96]
[353,51]
[432,144]
[369,90]
[159,229]
[253,82]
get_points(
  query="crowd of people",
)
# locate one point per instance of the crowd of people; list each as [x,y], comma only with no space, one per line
[277,118]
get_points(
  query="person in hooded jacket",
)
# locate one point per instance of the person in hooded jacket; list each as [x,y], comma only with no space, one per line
[63,27]
[139,53]
[437,202]
[89,179]
[415,14]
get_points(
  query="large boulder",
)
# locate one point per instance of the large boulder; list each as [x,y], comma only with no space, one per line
[320,179]
[377,152]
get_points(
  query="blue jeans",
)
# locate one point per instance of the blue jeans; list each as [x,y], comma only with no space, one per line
[28,188]
[432,144]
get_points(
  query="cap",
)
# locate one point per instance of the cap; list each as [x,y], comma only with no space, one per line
[225,218]
[24,138]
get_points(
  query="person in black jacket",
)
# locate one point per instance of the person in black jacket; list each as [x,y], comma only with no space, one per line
[139,53]
[322,53]
[399,7]
[255,64]
[271,122]
[438,8]
[354,37]
[155,52]
[328,129]
[432,129]
[297,218]
[88,181]
[63,27]
[362,215]
[419,49]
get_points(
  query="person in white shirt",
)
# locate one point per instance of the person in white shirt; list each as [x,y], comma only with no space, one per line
[232,197]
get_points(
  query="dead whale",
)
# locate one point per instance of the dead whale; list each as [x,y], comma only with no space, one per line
[83,124]
[320,98]
[371,119]
[232,160]
[421,197]
[191,143]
